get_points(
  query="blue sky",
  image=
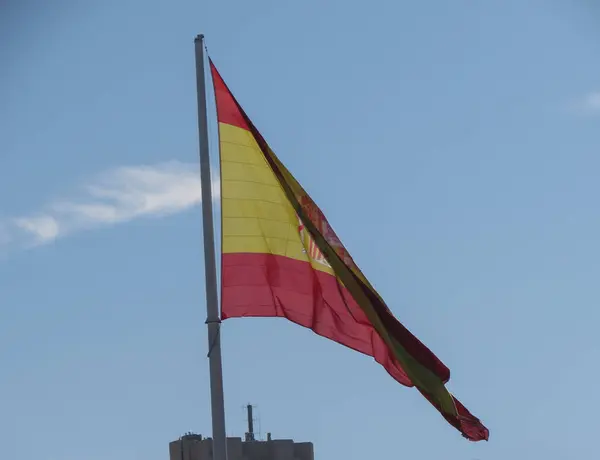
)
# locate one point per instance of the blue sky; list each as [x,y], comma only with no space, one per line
[453,145]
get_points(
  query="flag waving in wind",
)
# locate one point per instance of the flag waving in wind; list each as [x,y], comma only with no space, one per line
[281,258]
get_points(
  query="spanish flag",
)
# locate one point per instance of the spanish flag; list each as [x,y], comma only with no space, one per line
[281,258]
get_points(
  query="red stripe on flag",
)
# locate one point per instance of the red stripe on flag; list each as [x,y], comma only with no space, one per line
[266,285]
[227,109]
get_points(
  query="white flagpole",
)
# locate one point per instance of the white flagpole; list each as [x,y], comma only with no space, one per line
[213,321]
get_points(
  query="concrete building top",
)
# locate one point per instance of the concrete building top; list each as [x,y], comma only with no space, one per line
[195,447]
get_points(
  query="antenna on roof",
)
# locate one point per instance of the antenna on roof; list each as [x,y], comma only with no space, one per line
[250,434]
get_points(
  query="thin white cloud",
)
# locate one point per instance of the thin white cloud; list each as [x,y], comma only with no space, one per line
[592,101]
[43,227]
[588,104]
[120,195]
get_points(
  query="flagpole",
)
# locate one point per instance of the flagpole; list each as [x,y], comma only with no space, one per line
[213,320]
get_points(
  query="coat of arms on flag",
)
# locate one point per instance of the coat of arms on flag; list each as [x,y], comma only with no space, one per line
[310,247]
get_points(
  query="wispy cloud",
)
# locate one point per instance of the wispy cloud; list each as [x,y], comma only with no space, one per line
[116,196]
[592,101]
[44,228]
[589,104]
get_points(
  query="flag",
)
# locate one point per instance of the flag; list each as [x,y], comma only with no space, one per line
[281,258]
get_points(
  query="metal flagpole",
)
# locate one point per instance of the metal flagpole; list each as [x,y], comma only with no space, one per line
[213,320]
